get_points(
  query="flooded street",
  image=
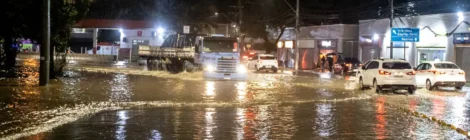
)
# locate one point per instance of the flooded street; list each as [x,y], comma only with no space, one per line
[128,102]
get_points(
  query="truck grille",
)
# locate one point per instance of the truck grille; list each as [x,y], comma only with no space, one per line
[226,66]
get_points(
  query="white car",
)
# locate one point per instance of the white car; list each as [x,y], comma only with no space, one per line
[263,62]
[440,74]
[387,74]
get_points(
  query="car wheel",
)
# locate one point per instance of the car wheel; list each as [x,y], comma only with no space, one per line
[429,86]
[361,84]
[377,88]
[411,90]
[459,88]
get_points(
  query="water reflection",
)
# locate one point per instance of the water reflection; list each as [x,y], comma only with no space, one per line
[209,123]
[240,119]
[210,90]
[120,88]
[241,90]
[121,124]
[156,135]
[324,120]
[380,129]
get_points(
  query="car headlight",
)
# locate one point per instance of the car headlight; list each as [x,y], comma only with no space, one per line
[209,68]
[241,69]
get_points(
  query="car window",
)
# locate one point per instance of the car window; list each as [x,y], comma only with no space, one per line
[427,67]
[255,57]
[367,64]
[267,57]
[445,66]
[420,67]
[396,65]
[373,65]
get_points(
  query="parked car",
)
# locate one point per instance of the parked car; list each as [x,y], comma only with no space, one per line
[387,74]
[440,74]
[263,62]
[347,65]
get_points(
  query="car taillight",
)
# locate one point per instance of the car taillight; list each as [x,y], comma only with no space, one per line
[411,73]
[382,72]
[462,73]
[438,72]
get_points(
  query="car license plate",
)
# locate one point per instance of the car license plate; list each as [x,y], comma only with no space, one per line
[399,74]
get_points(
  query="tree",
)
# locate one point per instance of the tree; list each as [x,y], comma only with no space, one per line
[265,16]
[23,20]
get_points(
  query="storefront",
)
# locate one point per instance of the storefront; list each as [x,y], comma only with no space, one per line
[325,39]
[462,49]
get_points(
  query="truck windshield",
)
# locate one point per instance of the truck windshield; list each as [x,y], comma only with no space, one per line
[219,46]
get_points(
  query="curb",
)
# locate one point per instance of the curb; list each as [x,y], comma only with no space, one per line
[431,118]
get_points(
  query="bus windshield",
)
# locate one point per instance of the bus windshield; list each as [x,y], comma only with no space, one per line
[219,46]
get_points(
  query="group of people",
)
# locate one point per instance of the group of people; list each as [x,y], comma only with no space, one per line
[324,59]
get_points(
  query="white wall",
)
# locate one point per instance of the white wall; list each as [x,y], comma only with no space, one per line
[146,35]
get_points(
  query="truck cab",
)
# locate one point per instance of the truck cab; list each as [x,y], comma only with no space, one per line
[220,58]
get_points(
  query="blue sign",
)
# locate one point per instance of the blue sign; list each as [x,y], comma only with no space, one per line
[405,34]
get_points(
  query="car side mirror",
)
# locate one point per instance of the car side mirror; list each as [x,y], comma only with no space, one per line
[363,67]
[415,69]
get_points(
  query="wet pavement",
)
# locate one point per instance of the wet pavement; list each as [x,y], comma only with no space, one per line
[128,102]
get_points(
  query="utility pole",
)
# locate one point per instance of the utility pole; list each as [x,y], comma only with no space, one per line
[240,22]
[46,43]
[391,26]
[296,67]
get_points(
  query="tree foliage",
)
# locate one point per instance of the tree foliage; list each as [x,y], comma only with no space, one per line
[264,16]
[23,19]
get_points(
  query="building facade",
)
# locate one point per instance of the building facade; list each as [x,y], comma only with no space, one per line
[315,41]
[437,41]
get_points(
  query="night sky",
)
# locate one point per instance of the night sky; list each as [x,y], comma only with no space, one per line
[312,11]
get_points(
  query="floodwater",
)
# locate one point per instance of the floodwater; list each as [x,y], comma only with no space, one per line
[127,102]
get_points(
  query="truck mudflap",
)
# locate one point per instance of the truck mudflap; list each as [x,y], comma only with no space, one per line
[225,76]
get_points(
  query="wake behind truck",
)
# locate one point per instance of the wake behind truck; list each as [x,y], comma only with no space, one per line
[217,56]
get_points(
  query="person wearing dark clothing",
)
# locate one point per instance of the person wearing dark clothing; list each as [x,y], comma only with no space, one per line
[323,62]
[330,64]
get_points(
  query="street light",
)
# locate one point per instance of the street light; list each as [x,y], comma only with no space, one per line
[375,37]
[160,30]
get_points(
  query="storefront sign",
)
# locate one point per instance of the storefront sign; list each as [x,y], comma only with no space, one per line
[462,38]
[327,43]
[405,34]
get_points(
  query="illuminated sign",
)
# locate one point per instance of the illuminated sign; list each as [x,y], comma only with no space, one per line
[326,43]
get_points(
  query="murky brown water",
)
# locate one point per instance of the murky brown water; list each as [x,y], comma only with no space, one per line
[183,106]
[346,120]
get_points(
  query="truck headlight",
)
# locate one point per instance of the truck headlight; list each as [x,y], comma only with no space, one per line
[241,69]
[210,68]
